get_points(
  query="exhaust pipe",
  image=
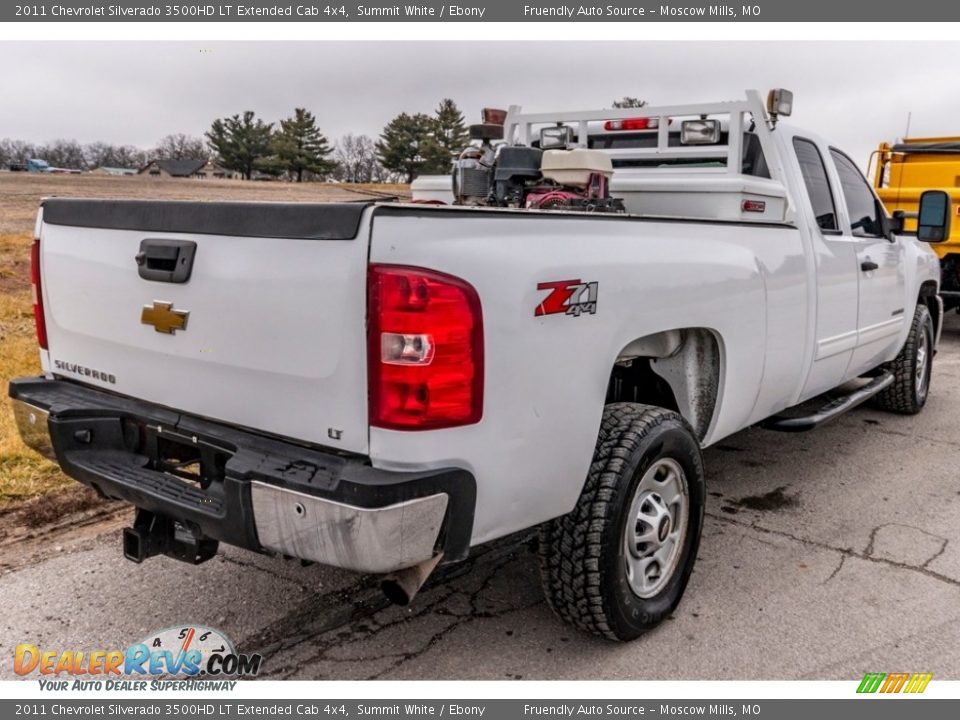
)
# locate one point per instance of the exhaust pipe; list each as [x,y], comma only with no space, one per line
[401,586]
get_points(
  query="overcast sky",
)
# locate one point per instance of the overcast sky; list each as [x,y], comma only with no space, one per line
[854,93]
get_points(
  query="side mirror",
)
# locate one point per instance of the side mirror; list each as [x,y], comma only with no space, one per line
[933,220]
[556,138]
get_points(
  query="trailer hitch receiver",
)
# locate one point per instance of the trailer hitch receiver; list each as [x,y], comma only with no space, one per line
[154,534]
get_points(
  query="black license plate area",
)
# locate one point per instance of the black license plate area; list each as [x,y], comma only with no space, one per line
[187,457]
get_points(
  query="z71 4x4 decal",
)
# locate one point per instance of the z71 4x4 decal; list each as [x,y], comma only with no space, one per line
[570,297]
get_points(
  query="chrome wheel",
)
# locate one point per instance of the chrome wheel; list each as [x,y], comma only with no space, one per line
[655,528]
[922,369]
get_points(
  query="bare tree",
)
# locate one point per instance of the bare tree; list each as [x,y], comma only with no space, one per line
[101,154]
[356,158]
[629,102]
[15,151]
[382,175]
[62,154]
[98,154]
[129,156]
[180,146]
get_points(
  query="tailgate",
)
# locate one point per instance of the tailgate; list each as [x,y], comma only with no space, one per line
[275,333]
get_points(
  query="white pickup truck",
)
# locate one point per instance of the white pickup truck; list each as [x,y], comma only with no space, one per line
[382,386]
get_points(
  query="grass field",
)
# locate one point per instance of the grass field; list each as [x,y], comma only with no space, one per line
[23,474]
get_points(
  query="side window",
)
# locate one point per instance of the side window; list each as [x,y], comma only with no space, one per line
[818,187]
[754,162]
[862,206]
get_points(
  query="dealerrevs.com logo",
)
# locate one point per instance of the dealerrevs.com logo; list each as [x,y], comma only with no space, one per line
[199,657]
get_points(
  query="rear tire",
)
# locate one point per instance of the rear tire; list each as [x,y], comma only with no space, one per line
[618,564]
[911,369]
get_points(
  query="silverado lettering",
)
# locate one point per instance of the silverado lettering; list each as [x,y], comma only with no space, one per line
[76,369]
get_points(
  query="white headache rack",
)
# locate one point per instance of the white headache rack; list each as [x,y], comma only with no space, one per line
[523,129]
[669,179]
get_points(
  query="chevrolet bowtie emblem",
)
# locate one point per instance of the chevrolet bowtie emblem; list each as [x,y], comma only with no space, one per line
[164,318]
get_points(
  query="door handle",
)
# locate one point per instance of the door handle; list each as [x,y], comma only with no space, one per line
[868,265]
[166,260]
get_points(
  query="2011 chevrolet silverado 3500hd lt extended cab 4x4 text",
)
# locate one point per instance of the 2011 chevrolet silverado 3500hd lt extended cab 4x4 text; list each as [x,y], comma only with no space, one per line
[382,386]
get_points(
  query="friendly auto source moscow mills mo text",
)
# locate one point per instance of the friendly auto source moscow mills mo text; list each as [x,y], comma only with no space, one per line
[571,11]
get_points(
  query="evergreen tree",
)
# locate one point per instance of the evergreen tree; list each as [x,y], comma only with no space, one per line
[449,137]
[240,141]
[404,141]
[297,147]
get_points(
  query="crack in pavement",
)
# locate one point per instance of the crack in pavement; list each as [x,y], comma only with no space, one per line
[364,601]
[837,569]
[346,605]
[868,551]
[848,552]
[268,571]
[937,554]
[365,632]
[464,618]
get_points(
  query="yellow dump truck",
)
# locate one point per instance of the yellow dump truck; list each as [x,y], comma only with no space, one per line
[904,170]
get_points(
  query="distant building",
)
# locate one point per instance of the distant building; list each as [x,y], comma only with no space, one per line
[210,169]
[103,170]
[199,169]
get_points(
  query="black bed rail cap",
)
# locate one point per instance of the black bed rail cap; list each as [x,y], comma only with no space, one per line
[295,221]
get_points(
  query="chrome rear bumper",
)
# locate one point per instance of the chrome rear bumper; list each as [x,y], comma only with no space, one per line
[33,425]
[373,540]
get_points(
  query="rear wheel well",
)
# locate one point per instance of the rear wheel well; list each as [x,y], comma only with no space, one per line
[634,381]
[676,369]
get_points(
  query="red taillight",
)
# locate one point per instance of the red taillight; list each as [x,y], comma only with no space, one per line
[425,349]
[38,317]
[632,124]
